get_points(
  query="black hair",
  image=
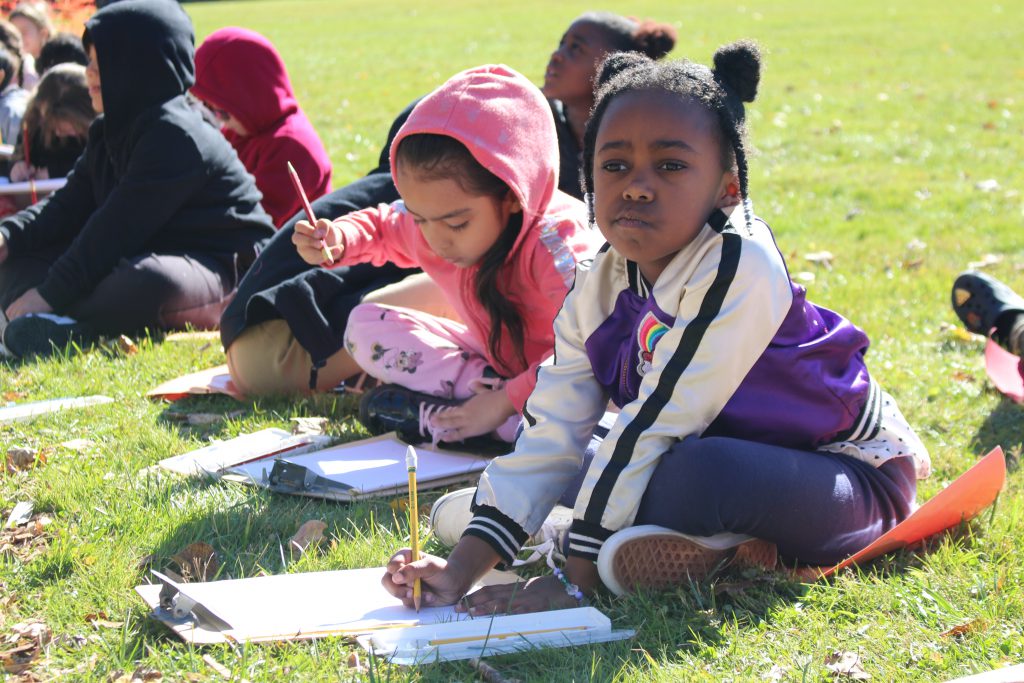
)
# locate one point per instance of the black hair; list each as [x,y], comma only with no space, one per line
[437,157]
[628,34]
[722,91]
[62,48]
[11,60]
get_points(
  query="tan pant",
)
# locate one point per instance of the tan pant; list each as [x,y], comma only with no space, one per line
[266,359]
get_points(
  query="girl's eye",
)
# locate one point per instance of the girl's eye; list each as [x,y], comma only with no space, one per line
[613,166]
[458,227]
[673,165]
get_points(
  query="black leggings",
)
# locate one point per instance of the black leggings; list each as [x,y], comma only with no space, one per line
[148,291]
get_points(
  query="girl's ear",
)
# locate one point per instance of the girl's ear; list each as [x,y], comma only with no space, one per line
[729,191]
[511,203]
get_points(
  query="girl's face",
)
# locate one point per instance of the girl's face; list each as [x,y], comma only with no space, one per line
[657,176]
[573,66]
[64,129]
[92,79]
[32,37]
[458,226]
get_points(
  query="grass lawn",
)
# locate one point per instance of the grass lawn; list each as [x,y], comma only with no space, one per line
[876,123]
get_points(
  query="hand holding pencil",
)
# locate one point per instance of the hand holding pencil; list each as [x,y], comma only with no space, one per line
[313,235]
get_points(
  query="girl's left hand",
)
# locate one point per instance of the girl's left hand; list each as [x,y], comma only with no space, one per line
[481,414]
[29,302]
[537,594]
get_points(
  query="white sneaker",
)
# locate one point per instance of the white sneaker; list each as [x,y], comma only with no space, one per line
[653,557]
[451,514]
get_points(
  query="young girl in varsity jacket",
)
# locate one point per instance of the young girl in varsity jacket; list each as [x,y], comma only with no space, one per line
[749,423]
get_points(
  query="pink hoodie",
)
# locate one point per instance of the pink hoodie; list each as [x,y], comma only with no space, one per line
[239,71]
[505,122]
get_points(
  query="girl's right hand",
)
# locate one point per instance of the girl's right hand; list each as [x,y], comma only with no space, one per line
[20,172]
[439,584]
[310,241]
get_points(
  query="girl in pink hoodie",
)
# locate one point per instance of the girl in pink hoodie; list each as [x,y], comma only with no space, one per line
[476,165]
[241,78]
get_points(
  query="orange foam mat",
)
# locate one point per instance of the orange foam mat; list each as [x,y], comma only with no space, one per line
[968,495]
[1003,369]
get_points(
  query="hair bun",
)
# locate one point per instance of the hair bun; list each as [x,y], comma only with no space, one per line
[616,63]
[655,39]
[738,67]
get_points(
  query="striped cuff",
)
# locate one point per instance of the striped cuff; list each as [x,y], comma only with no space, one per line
[586,539]
[498,531]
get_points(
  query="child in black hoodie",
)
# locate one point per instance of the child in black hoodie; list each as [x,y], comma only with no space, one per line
[158,217]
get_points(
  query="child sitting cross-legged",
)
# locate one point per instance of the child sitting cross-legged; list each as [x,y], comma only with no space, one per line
[749,428]
[476,165]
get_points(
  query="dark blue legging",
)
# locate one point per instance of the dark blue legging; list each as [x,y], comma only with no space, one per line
[818,508]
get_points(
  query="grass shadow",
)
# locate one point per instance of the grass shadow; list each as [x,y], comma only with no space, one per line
[1004,427]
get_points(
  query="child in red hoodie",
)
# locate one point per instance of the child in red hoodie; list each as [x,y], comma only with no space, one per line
[241,78]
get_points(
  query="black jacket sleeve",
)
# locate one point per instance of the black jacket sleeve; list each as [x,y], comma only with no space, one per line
[164,170]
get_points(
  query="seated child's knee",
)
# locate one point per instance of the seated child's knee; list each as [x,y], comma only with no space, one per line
[265,360]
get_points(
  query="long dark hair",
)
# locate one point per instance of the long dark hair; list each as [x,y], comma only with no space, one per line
[437,157]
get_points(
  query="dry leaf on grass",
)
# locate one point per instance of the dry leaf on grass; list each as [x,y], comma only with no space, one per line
[307,538]
[356,664]
[19,459]
[22,645]
[309,425]
[26,540]
[14,395]
[77,444]
[126,345]
[197,562]
[217,666]
[100,620]
[964,628]
[822,258]
[140,675]
[986,261]
[847,664]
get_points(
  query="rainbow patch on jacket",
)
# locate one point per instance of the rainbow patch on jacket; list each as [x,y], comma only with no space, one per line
[647,335]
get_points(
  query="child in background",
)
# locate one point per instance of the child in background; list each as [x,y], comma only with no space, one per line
[33,22]
[569,77]
[746,411]
[13,98]
[63,48]
[57,123]
[158,217]
[476,165]
[242,79]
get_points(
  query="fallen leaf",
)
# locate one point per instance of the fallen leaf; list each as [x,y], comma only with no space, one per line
[19,459]
[14,395]
[21,513]
[990,185]
[126,345]
[823,258]
[986,261]
[964,628]
[912,264]
[307,538]
[962,376]
[309,425]
[356,664]
[99,620]
[197,561]
[217,666]
[18,659]
[77,444]
[846,664]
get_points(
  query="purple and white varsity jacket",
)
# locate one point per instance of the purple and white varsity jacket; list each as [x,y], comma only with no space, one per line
[724,344]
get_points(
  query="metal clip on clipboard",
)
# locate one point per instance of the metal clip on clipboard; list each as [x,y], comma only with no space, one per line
[183,608]
[289,477]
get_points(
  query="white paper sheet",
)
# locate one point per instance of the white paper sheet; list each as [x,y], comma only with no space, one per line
[224,454]
[374,465]
[26,411]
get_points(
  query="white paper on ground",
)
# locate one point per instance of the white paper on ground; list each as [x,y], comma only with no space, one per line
[26,411]
[306,605]
[221,455]
[373,466]
[488,636]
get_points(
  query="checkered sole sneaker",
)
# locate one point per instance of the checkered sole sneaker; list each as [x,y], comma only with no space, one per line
[653,557]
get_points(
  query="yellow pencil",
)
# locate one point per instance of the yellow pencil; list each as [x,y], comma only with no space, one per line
[414,523]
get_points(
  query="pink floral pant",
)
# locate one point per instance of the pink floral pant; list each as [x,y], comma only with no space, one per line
[420,351]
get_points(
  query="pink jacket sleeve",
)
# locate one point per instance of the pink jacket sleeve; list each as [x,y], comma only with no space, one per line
[379,235]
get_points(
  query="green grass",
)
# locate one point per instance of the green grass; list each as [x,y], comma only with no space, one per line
[875,122]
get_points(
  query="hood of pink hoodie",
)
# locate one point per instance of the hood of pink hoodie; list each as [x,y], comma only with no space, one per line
[229,63]
[505,122]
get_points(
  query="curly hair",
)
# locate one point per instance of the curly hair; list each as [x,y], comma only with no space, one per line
[721,90]
[628,34]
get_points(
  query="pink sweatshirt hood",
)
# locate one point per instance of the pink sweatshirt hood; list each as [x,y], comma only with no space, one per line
[505,122]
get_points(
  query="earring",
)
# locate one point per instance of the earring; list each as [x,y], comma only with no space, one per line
[732,189]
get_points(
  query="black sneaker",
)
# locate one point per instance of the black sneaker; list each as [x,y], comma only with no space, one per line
[980,300]
[40,334]
[393,408]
